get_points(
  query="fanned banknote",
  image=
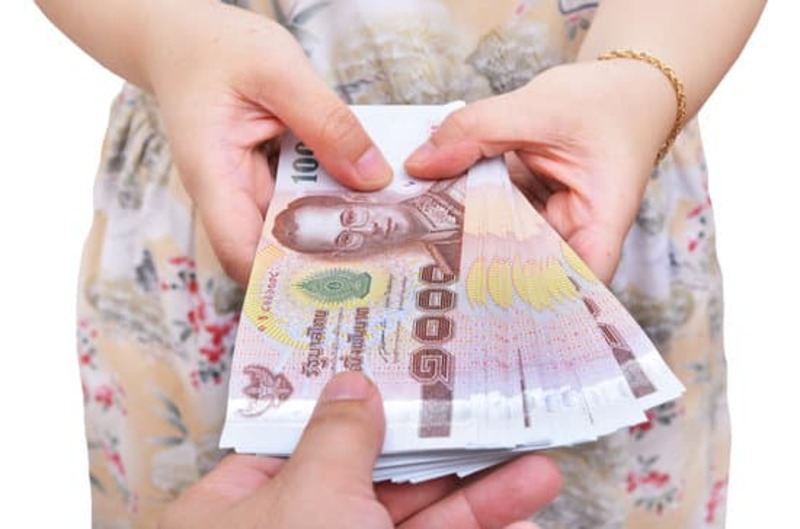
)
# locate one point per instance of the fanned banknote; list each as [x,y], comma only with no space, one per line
[486,333]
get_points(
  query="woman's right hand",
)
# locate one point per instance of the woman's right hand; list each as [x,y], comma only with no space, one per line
[227,81]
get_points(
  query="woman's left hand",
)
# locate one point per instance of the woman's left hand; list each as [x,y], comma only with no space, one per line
[582,140]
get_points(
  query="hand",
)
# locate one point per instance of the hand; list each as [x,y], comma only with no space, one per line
[227,81]
[327,483]
[583,139]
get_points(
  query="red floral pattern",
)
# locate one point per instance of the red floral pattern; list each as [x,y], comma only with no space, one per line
[651,488]
[716,501]
[213,334]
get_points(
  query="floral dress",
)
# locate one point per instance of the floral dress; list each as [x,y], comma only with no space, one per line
[157,316]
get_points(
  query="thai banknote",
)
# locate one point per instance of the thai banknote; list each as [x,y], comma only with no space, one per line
[485,332]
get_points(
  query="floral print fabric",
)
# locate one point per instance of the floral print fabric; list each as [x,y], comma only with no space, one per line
[157,316]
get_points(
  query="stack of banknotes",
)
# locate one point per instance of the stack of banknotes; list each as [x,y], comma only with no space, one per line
[485,332]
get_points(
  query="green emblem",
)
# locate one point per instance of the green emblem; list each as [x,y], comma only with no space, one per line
[337,285]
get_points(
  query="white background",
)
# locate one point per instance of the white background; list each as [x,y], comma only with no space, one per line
[52,117]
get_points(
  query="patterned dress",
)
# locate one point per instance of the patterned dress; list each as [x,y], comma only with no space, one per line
[157,316]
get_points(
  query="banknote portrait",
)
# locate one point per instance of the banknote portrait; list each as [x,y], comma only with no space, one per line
[356,226]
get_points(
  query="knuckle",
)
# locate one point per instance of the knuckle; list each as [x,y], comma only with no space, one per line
[456,126]
[337,414]
[343,420]
[340,127]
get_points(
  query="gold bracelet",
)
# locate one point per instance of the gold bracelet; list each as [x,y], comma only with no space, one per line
[669,73]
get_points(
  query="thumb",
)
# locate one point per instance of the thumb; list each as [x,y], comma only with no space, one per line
[344,436]
[330,128]
[483,129]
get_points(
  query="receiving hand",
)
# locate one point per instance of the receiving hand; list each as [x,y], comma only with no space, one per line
[227,81]
[582,140]
[327,483]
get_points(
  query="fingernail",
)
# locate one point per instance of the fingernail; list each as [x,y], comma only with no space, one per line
[372,166]
[422,154]
[349,385]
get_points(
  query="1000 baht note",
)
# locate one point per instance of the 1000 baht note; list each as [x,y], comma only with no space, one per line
[481,327]
[354,281]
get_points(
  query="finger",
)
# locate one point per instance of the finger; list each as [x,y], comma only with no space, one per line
[404,500]
[482,129]
[232,212]
[522,525]
[527,182]
[505,495]
[344,436]
[600,249]
[595,234]
[329,127]
[236,477]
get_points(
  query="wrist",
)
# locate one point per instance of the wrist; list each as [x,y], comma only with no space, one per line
[670,75]
[647,98]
